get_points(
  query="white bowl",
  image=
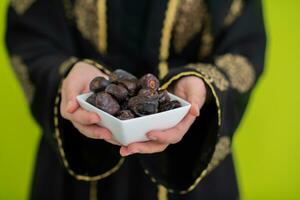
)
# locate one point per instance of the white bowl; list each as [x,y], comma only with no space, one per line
[134,130]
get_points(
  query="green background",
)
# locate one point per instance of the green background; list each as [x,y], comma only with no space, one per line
[266,145]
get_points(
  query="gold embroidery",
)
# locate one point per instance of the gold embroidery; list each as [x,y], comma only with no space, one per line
[93,190]
[166,36]
[162,193]
[63,155]
[234,12]
[21,72]
[163,69]
[239,70]
[222,149]
[207,39]
[91,22]
[97,65]
[212,74]
[21,6]
[205,79]
[65,66]
[101,5]
[188,22]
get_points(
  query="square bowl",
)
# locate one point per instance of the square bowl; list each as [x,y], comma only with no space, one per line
[135,130]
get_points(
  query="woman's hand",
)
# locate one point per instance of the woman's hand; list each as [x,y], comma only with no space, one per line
[193,90]
[75,83]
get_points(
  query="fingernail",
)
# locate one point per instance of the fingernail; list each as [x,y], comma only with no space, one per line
[135,151]
[153,138]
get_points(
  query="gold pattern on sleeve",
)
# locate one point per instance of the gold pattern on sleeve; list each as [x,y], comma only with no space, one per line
[90,17]
[166,36]
[234,12]
[239,70]
[21,6]
[222,149]
[189,21]
[211,73]
[21,72]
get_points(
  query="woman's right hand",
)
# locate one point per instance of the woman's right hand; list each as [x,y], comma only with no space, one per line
[74,84]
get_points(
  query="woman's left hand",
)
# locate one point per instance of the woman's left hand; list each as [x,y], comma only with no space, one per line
[193,90]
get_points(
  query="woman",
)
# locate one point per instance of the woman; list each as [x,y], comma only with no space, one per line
[210,53]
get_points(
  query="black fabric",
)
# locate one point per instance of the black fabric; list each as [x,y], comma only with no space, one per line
[44,38]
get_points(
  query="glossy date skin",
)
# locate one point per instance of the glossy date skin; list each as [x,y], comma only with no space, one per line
[123,91]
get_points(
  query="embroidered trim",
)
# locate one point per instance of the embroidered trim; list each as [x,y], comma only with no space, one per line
[97,65]
[102,25]
[162,193]
[188,22]
[66,65]
[21,6]
[239,70]
[60,144]
[91,21]
[205,79]
[21,72]
[222,149]
[212,74]
[234,12]
[166,37]
[93,190]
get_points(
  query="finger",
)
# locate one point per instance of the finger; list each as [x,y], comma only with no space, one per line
[71,91]
[172,135]
[143,148]
[72,106]
[195,104]
[93,131]
[84,117]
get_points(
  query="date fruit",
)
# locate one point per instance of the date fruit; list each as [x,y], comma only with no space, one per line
[107,103]
[169,105]
[148,93]
[117,91]
[99,84]
[127,97]
[163,96]
[125,114]
[120,74]
[142,106]
[149,81]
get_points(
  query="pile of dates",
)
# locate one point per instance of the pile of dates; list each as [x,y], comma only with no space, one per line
[127,97]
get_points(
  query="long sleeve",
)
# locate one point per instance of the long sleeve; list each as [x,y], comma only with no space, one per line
[41,44]
[230,71]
